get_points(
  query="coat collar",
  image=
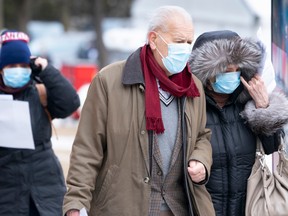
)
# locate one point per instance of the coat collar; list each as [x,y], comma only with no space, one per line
[133,70]
[233,98]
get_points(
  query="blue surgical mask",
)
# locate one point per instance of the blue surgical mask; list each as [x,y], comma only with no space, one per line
[227,82]
[177,58]
[16,77]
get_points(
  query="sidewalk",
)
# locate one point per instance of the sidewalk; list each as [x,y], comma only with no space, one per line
[62,141]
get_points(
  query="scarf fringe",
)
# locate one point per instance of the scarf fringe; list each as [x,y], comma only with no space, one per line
[155,124]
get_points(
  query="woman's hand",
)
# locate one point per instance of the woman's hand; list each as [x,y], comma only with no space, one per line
[257,90]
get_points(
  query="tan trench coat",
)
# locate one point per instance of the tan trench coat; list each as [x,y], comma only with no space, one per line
[109,167]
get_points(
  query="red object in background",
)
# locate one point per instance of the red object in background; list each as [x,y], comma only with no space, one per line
[79,75]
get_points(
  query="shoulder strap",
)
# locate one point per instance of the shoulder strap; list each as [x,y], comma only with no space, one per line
[42,94]
[43,99]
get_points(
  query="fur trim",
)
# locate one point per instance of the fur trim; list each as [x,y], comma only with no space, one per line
[213,57]
[267,121]
[248,54]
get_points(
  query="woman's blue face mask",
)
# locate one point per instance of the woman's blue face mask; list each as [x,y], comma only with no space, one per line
[226,82]
[16,77]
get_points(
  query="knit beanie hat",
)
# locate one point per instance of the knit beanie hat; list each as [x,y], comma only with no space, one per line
[14,49]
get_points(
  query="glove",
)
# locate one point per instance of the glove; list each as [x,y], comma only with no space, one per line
[36,69]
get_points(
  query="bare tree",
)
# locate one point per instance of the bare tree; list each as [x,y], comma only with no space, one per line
[103,8]
[65,14]
[118,8]
[98,16]
[1,15]
[25,15]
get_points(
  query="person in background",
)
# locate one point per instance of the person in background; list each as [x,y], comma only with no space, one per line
[142,147]
[31,180]
[239,111]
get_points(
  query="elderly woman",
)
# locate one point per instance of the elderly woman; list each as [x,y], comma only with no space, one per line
[239,110]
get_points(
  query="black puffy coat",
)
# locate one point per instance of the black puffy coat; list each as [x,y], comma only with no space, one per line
[37,175]
[234,146]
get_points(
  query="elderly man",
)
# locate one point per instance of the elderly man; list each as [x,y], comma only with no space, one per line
[142,147]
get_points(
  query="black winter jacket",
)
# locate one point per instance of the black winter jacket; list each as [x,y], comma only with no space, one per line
[234,146]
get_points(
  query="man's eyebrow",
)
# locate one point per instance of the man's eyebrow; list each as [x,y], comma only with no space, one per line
[182,38]
[180,35]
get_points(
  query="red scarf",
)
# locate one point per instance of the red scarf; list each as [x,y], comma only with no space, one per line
[179,85]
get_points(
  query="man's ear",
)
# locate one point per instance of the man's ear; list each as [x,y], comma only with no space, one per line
[151,39]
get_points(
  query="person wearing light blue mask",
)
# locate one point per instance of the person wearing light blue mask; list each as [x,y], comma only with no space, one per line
[177,57]
[15,59]
[16,76]
[226,82]
[30,170]
[239,111]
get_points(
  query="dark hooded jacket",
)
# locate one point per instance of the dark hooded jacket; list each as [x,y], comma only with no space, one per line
[236,126]
[34,177]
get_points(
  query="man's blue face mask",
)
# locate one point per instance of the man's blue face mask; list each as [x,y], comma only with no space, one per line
[227,82]
[177,58]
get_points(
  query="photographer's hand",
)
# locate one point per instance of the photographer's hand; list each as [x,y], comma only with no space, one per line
[38,64]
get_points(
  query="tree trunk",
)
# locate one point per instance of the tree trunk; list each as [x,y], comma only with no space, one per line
[65,14]
[98,15]
[120,9]
[1,15]
[24,16]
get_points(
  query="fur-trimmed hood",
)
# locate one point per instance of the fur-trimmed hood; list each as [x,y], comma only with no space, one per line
[212,55]
[214,51]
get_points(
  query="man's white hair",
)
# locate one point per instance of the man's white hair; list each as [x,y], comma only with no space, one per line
[162,15]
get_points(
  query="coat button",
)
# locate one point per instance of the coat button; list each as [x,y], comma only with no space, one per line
[143,132]
[146,180]
[159,173]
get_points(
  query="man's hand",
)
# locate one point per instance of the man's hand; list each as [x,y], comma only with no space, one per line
[73,212]
[257,90]
[196,171]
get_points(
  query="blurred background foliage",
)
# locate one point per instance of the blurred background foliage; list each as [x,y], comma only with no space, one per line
[73,14]
[17,13]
